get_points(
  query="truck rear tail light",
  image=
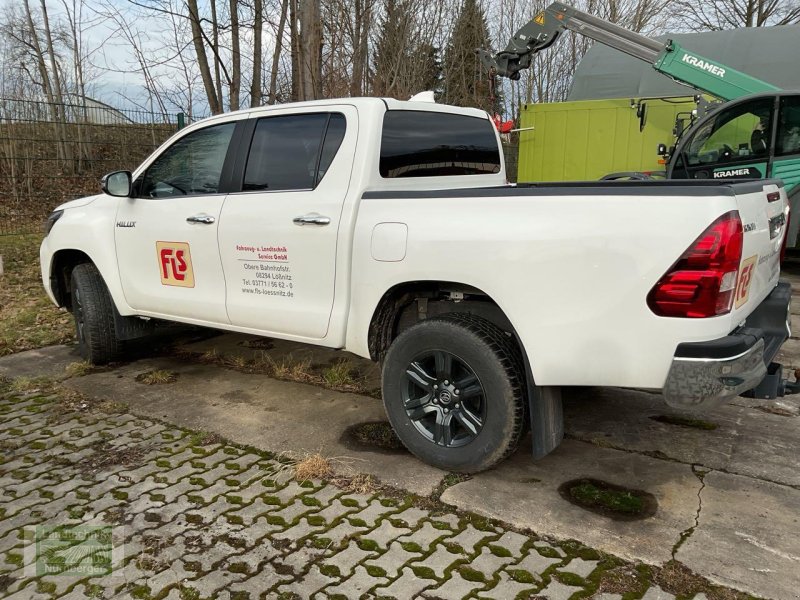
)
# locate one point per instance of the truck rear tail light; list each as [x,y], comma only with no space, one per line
[702,282]
[786,233]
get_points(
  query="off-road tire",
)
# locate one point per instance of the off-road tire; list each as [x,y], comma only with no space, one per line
[493,356]
[93,310]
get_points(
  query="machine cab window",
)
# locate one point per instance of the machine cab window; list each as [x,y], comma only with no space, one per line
[742,132]
[788,141]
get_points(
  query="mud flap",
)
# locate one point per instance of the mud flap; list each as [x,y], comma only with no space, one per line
[547,419]
[545,412]
[132,328]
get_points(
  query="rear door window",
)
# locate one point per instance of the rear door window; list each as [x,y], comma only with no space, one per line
[434,144]
[292,152]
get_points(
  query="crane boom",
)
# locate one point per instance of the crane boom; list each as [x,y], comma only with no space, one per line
[667,58]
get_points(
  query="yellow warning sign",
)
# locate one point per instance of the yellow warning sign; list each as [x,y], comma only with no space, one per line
[539,19]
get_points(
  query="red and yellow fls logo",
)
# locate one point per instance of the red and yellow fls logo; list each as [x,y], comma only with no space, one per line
[175,262]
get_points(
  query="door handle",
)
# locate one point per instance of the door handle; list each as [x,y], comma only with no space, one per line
[204,219]
[312,219]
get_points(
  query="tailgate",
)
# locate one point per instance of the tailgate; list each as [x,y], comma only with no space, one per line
[764,214]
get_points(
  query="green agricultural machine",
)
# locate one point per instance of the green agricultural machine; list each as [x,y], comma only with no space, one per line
[754,133]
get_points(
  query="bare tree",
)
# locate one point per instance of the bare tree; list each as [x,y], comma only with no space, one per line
[236,57]
[258,27]
[307,49]
[730,14]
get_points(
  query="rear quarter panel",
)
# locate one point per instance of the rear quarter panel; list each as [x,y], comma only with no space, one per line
[760,267]
[571,272]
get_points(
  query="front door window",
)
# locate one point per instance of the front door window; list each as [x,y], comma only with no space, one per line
[191,166]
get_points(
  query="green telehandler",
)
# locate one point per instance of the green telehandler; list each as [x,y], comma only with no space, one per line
[753,133]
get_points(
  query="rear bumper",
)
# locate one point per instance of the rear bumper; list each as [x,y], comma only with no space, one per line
[706,374]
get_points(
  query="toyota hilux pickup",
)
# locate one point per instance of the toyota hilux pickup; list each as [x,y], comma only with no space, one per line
[388,229]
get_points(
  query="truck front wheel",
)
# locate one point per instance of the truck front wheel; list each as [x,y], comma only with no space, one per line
[93,310]
[453,392]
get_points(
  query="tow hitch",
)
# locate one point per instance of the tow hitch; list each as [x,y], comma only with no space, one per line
[774,385]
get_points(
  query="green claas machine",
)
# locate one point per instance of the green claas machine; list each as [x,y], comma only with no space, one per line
[754,133]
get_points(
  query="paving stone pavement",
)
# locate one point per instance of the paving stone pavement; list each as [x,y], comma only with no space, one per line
[183,516]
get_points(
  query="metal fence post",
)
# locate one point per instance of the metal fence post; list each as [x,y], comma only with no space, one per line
[181,120]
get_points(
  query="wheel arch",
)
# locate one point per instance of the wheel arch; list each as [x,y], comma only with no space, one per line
[396,310]
[61,266]
[405,303]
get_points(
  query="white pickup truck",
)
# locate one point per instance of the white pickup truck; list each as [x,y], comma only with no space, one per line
[388,229]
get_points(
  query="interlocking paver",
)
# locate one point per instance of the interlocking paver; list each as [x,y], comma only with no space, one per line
[439,561]
[393,560]
[261,582]
[300,531]
[308,585]
[336,510]
[512,541]
[357,584]
[506,588]
[425,535]
[455,588]
[580,567]
[407,585]
[656,593]
[470,537]
[374,512]
[348,558]
[218,521]
[487,562]
[558,591]
[386,533]
[343,531]
[534,563]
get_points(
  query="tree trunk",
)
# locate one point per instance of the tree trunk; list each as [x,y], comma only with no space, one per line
[61,115]
[363,14]
[215,51]
[276,55]
[309,50]
[40,60]
[294,39]
[258,25]
[236,58]
[202,59]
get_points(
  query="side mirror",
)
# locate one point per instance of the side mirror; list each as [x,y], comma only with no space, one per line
[117,184]
[662,150]
[680,127]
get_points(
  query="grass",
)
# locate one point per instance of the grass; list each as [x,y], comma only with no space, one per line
[312,466]
[375,434]
[21,385]
[27,317]
[287,368]
[339,374]
[157,377]
[360,483]
[79,369]
[607,498]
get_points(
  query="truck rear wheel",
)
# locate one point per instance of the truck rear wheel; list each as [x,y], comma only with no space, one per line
[93,310]
[453,392]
